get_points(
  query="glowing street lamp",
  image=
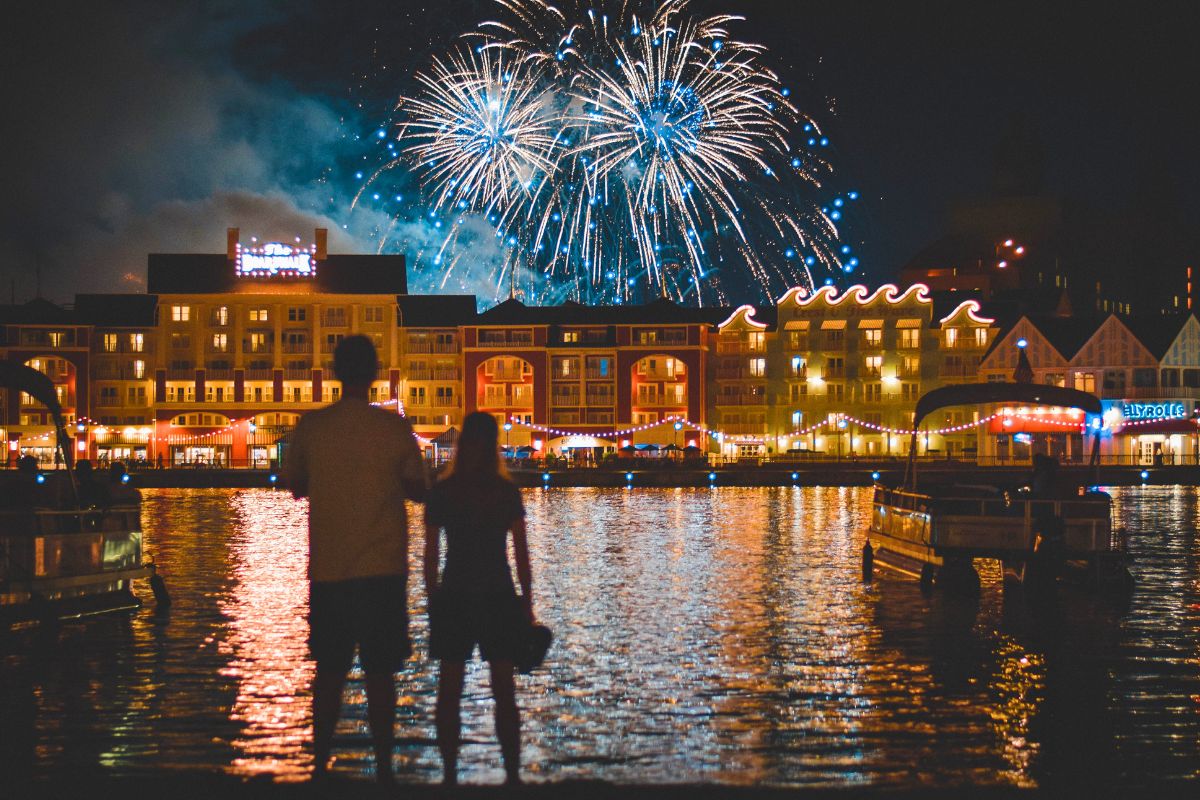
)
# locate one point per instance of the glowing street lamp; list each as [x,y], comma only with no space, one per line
[507,430]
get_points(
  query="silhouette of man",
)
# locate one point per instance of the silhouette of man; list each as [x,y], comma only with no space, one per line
[357,464]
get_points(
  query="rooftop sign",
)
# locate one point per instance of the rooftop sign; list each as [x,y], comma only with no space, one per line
[275,260]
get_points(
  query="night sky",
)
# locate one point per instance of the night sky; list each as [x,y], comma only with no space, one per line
[146,129]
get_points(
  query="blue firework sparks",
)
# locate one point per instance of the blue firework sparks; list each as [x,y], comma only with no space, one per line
[617,157]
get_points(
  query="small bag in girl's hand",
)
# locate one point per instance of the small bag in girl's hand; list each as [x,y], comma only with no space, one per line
[535,643]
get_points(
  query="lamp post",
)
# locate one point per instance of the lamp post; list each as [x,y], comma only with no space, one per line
[678,428]
[507,443]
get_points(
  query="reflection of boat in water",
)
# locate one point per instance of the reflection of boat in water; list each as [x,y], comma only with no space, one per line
[59,559]
[1037,532]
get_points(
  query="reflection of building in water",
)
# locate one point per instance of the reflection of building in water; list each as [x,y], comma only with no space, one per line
[267,639]
[789,654]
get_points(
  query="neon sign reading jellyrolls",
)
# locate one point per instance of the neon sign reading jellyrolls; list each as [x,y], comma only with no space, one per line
[1152,410]
[275,260]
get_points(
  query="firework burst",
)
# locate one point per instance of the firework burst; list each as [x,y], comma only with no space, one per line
[621,156]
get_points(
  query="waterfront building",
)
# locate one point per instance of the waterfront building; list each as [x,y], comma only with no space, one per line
[1146,372]
[834,374]
[217,361]
[590,379]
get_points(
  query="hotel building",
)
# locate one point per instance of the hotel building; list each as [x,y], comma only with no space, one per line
[217,361]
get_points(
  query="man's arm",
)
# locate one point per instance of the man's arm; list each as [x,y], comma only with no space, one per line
[295,464]
[413,478]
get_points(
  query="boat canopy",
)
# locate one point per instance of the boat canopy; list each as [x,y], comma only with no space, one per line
[15,375]
[968,394]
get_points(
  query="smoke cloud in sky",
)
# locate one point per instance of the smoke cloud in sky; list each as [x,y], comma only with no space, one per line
[128,131]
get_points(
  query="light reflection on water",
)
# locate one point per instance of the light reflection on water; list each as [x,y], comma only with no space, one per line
[702,635]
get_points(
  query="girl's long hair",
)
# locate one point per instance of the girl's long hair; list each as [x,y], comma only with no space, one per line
[477,453]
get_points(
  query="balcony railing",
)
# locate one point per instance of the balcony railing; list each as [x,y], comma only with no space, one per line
[297,347]
[597,373]
[298,373]
[1153,393]
[432,347]
[741,399]
[447,374]
[259,374]
[420,374]
[218,374]
[506,341]
[565,399]
[188,374]
[601,400]
[508,374]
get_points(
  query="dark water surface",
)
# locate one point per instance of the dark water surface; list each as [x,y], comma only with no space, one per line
[702,635]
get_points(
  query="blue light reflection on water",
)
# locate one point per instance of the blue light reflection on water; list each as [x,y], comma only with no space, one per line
[702,635]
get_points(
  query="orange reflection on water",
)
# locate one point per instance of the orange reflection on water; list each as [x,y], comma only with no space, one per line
[267,637]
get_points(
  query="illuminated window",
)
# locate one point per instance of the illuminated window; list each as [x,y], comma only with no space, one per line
[910,366]
[220,315]
[259,315]
[981,337]
[57,338]
[757,340]
[220,342]
[758,367]
[570,337]
[258,342]
[647,337]
[951,337]
[139,368]
[872,365]
[181,313]
[910,337]
[110,342]
[137,342]
[873,337]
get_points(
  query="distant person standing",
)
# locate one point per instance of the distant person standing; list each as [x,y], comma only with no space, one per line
[357,464]
[473,601]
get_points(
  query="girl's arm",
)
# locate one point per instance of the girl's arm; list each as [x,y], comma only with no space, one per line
[432,542]
[524,574]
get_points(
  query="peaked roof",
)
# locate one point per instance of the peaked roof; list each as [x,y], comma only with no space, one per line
[1067,334]
[1157,334]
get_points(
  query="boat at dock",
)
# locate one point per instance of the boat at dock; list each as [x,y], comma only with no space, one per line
[61,558]
[1042,530]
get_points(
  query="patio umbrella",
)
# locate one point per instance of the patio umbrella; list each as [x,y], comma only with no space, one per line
[672,447]
[628,449]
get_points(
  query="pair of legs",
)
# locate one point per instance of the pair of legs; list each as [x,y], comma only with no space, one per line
[381,710]
[449,725]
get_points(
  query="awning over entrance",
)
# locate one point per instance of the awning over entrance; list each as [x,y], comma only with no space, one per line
[447,438]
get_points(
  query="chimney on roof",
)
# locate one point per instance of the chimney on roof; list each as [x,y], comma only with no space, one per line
[232,237]
[322,237]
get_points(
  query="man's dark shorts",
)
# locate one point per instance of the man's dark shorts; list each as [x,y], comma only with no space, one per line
[371,613]
[458,621]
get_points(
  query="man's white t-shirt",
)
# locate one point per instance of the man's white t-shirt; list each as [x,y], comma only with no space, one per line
[352,457]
